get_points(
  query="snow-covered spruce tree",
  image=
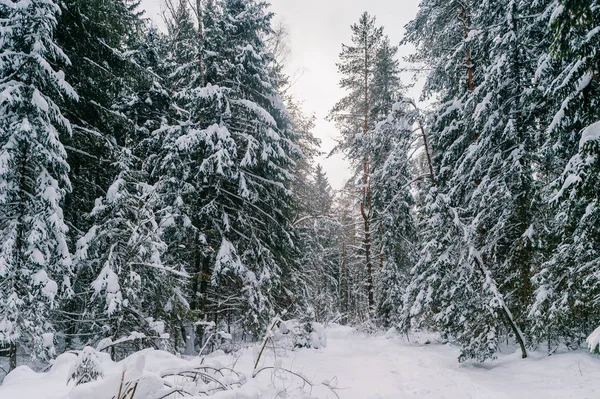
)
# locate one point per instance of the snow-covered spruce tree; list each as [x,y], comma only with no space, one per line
[440,33]
[183,147]
[486,182]
[117,70]
[97,37]
[566,305]
[265,165]
[353,116]
[303,186]
[167,166]
[121,254]
[350,286]
[318,238]
[35,264]
[232,153]
[123,281]
[494,181]
[87,368]
[391,178]
[184,58]
[323,200]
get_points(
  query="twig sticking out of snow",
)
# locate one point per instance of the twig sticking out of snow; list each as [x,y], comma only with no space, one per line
[326,384]
[268,335]
[216,379]
[126,390]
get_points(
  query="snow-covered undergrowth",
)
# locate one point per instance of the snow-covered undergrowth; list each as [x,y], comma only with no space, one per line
[593,341]
[253,372]
[353,365]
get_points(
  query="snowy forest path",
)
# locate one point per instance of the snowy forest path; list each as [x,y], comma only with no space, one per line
[367,367]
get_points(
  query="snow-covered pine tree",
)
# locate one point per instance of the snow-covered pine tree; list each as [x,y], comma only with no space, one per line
[566,305]
[35,264]
[388,145]
[353,116]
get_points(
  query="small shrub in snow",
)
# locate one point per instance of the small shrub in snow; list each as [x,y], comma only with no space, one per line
[593,341]
[304,329]
[392,333]
[296,334]
[309,335]
[87,368]
[367,327]
[216,339]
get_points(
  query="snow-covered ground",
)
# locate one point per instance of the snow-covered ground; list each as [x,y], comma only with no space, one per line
[361,367]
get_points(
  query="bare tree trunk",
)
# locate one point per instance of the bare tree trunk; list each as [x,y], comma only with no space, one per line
[464,17]
[197,277]
[504,311]
[344,277]
[427,153]
[12,355]
[12,349]
[425,144]
[196,303]
[201,40]
[368,260]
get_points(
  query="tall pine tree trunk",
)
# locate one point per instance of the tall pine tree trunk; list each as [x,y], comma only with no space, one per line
[522,193]
[12,349]
[196,290]
[365,207]
[464,17]
[344,277]
[199,16]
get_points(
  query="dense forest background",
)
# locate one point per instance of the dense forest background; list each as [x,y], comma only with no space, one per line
[159,188]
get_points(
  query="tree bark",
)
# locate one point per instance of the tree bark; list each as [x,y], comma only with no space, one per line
[504,311]
[344,277]
[425,144]
[366,200]
[201,41]
[464,17]
[12,355]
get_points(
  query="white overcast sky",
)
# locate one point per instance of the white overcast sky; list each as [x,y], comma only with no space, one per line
[317,30]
